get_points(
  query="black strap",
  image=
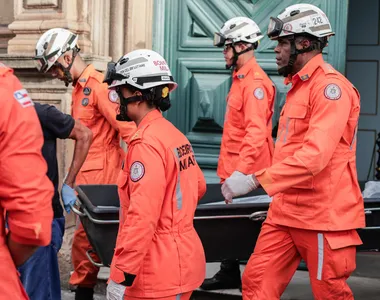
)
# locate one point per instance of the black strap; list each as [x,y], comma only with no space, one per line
[147,79]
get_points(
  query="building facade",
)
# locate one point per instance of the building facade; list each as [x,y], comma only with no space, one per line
[182,31]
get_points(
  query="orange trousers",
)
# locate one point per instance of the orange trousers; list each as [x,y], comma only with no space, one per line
[184,296]
[85,273]
[330,258]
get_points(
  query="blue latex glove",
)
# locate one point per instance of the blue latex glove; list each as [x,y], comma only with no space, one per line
[68,196]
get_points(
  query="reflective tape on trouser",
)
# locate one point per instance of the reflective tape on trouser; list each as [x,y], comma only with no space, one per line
[320,255]
[178,192]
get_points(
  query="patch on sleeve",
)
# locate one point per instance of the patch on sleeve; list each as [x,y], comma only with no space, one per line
[258,93]
[23,98]
[332,91]
[137,171]
[112,96]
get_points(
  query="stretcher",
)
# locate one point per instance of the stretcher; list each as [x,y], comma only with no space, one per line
[226,231]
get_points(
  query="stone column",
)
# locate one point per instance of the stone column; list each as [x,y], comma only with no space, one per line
[33,17]
[6,17]
[139,25]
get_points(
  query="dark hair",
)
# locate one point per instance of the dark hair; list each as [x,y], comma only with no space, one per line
[254,45]
[157,96]
[316,43]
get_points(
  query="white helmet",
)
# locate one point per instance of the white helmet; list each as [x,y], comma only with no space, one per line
[238,29]
[51,45]
[300,19]
[142,69]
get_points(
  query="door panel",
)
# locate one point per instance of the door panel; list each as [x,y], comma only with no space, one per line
[183,34]
[363,56]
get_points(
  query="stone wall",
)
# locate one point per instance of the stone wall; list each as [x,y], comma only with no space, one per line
[107,29]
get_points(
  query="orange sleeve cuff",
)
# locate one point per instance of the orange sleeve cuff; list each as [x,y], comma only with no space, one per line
[31,231]
[263,176]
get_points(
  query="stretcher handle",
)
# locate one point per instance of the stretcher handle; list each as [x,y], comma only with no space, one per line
[369,211]
[96,221]
[258,216]
[85,213]
[77,211]
[88,254]
[221,217]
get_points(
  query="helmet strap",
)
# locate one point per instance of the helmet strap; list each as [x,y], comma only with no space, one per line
[123,109]
[66,70]
[287,70]
[236,55]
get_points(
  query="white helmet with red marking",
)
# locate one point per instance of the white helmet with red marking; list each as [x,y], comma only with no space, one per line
[142,69]
[300,19]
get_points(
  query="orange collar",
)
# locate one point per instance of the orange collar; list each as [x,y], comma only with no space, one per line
[307,71]
[244,70]
[82,80]
[149,117]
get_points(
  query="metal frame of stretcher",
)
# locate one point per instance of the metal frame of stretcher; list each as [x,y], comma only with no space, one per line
[226,231]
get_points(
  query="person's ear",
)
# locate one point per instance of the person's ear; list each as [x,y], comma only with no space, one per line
[67,58]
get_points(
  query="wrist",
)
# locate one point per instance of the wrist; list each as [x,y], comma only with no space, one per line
[70,184]
[255,181]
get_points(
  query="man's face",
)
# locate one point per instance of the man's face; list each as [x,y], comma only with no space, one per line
[56,70]
[282,51]
[228,53]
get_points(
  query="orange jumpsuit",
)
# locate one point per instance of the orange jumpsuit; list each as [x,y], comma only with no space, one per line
[247,144]
[317,202]
[95,106]
[159,189]
[25,190]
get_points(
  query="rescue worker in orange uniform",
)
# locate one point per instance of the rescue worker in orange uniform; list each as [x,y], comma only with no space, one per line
[95,107]
[25,190]
[247,143]
[317,203]
[158,253]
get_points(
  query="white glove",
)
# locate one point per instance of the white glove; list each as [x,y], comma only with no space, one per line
[237,184]
[115,291]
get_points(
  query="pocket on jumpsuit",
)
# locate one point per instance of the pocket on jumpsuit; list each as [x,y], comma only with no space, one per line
[297,122]
[341,247]
[234,115]
[92,171]
[86,116]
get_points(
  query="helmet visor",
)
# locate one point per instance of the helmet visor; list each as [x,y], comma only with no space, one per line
[274,28]
[111,74]
[219,39]
[40,63]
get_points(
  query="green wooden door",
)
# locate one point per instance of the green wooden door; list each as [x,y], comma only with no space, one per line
[183,32]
